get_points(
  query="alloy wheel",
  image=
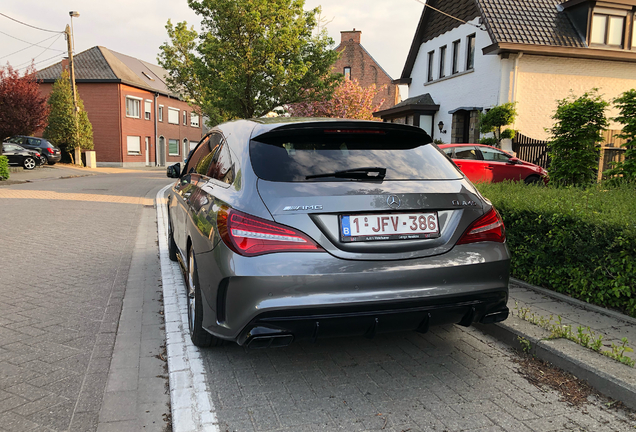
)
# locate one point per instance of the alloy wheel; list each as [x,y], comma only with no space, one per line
[29,163]
[191,293]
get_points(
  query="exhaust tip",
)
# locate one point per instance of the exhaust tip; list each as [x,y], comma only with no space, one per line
[274,341]
[495,317]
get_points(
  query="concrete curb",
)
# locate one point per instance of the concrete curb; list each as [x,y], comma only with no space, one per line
[191,405]
[606,375]
[575,302]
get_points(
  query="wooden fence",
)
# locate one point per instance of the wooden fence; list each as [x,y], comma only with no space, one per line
[531,150]
[536,151]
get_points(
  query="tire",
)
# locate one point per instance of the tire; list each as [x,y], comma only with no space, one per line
[172,246]
[44,160]
[29,163]
[533,180]
[198,335]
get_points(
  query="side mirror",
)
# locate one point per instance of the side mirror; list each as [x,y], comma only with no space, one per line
[174,171]
[514,161]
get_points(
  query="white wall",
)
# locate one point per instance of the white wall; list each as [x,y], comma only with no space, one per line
[480,88]
[543,80]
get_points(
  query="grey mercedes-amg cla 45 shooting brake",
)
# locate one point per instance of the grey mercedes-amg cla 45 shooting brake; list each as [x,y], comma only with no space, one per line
[300,229]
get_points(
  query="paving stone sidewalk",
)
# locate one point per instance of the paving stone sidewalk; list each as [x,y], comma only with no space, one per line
[66,246]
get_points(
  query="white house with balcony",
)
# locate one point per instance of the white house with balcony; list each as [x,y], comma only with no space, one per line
[470,55]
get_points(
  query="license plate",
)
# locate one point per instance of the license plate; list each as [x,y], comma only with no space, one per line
[388,226]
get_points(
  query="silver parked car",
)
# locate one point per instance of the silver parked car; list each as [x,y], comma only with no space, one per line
[291,229]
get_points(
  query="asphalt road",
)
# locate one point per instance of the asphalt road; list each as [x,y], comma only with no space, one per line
[66,247]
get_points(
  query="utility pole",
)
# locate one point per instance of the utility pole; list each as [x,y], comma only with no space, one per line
[71,47]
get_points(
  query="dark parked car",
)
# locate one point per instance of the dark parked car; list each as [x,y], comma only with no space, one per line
[291,229]
[18,155]
[49,154]
[486,164]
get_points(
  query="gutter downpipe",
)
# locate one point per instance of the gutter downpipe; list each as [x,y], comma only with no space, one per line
[156,141]
[516,77]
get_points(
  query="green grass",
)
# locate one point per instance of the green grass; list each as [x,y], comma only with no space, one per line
[581,242]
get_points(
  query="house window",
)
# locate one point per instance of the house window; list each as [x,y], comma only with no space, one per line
[160,113]
[173,147]
[455,57]
[470,52]
[194,119]
[185,117]
[431,56]
[634,33]
[442,61]
[608,27]
[134,145]
[173,115]
[347,72]
[147,108]
[133,106]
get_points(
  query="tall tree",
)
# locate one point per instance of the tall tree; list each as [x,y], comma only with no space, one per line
[251,57]
[349,100]
[22,109]
[62,129]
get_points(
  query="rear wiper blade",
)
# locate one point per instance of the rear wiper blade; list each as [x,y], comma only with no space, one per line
[370,173]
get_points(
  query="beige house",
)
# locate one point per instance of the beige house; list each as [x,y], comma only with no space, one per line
[469,55]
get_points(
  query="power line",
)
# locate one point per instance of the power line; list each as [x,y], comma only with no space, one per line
[32,45]
[49,47]
[426,5]
[21,66]
[39,46]
[29,25]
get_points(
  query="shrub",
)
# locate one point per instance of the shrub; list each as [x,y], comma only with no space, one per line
[571,240]
[497,117]
[488,141]
[625,171]
[573,147]
[4,168]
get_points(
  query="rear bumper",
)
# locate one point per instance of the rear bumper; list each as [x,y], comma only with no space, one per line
[280,328]
[287,294]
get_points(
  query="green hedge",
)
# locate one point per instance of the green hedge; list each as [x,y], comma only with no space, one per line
[574,241]
[4,168]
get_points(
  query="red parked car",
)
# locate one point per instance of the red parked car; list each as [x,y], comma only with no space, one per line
[485,164]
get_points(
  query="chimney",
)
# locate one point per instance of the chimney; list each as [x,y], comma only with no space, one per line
[350,37]
[65,64]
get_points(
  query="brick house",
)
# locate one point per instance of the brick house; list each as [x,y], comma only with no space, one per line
[356,62]
[137,120]
[532,52]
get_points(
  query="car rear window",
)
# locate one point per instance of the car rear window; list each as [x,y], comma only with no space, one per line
[292,157]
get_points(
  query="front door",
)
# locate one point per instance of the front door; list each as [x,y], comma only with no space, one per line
[147,151]
[162,151]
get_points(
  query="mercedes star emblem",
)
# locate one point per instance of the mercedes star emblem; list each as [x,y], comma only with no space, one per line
[393,201]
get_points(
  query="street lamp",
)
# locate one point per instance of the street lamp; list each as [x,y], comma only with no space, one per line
[71,48]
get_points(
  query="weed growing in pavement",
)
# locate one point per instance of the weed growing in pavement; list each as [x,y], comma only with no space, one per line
[584,336]
[526,346]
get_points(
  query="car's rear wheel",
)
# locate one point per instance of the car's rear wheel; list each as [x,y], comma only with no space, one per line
[198,335]
[533,179]
[172,246]
[44,160]
[29,163]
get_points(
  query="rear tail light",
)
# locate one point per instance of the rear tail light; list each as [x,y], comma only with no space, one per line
[250,236]
[50,150]
[489,227]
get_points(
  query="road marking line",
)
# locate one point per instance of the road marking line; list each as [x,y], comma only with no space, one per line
[191,405]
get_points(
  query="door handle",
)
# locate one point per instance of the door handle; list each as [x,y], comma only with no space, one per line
[489,168]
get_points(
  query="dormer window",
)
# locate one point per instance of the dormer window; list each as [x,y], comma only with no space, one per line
[608,27]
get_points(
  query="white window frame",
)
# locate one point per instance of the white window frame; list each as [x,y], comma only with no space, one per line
[148,109]
[185,118]
[173,110]
[194,119]
[178,145]
[133,145]
[160,113]
[138,104]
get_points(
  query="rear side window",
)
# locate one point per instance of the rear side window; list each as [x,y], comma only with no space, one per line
[292,157]
[33,141]
[466,152]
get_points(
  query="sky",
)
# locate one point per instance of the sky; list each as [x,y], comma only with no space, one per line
[137,27]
